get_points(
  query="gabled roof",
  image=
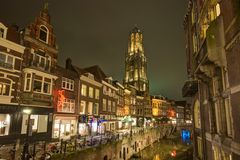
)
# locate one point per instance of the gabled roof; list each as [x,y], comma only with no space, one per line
[97,72]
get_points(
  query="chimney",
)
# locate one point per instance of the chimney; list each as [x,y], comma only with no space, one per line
[68,63]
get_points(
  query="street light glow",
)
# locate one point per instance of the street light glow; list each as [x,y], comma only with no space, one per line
[27,111]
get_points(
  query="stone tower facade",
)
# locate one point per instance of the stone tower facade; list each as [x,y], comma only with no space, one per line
[136,64]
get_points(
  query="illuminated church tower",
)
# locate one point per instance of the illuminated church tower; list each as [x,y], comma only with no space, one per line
[136,64]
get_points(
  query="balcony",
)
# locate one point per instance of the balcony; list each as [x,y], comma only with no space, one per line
[41,66]
[190,88]
[36,98]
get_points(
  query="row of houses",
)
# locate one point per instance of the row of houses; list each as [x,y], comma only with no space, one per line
[41,101]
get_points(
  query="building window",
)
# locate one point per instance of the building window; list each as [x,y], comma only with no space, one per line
[68,106]
[104,105]
[82,107]
[90,108]
[197,120]
[6,61]
[41,61]
[1,33]
[96,93]
[43,35]
[28,82]
[109,106]
[84,90]
[90,92]
[4,89]
[4,124]
[41,84]
[105,90]
[113,107]
[67,84]
[95,108]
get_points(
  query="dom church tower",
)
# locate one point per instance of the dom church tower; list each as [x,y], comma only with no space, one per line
[136,64]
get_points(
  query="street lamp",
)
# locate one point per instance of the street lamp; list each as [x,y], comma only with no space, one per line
[25,155]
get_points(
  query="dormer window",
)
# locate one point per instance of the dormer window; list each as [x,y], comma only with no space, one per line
[43,35]
[1,32]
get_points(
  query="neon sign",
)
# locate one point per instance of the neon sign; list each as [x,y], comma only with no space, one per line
[61,99]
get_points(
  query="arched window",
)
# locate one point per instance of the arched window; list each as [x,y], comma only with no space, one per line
[197,120]
[43,35]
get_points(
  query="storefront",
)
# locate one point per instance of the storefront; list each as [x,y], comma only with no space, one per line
[5,120]
[83,129]
[64,127]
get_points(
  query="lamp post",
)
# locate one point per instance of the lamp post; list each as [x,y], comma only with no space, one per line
[25,155]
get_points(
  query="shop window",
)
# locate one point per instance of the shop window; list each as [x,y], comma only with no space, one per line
[84,90]
[6,61]
[43,35]
[82,107]
[90,92]
[96,93]
[43,123]
[4,124]
[34,119]
[39,123]
[104,105]
[67,84]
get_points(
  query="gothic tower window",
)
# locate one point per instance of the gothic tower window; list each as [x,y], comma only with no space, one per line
[43,35]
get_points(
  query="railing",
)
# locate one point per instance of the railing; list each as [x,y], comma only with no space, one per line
[6,65]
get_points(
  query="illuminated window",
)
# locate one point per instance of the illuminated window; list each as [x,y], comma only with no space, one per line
[90,92]
[67,84]
[82,107]
[218,10]
[95,108]
[43,35]
[96,93]
[68,106]
[109,106]
[84,90]
[4,89]
[90,108]
[113,107]
[104,105]
[135,74]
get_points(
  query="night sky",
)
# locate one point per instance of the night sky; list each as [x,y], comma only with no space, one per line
[96,32]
